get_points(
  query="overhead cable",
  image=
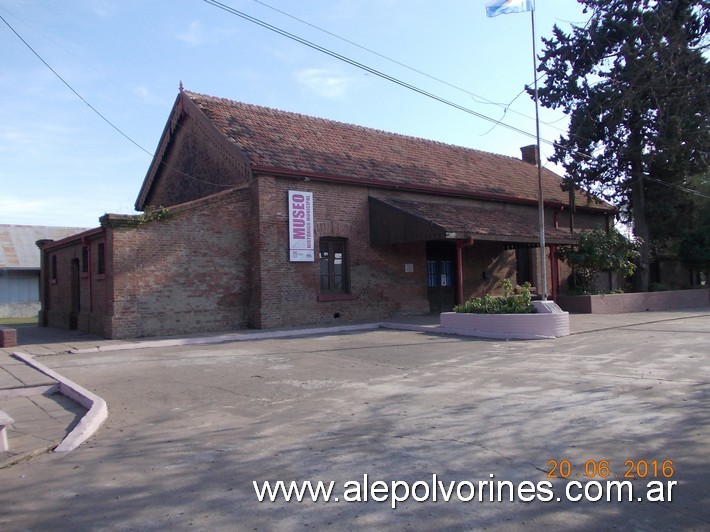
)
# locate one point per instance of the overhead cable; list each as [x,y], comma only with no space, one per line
[368,69]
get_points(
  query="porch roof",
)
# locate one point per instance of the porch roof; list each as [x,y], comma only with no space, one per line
[398,221]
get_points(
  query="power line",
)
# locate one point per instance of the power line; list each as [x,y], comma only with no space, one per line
[66,50]
[366,68]
[72,89]
[679,187]
[115,127]
[387,77]
[318,48]
[476,97]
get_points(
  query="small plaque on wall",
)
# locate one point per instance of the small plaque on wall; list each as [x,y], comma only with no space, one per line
[409,268]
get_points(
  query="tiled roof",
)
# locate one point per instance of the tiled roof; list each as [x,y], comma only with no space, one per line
[294,142]
[18,247]
[481,223]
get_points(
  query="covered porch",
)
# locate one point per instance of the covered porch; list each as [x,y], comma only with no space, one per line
[449,228]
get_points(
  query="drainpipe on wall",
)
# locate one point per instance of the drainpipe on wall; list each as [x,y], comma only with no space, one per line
[460,244]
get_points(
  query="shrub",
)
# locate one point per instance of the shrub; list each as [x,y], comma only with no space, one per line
[600,251]
[509,303]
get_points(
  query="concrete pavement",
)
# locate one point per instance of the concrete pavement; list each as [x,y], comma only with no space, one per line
[193,424]
[44,416]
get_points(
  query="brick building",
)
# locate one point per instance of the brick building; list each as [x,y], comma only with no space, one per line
[255,217]
[19,267]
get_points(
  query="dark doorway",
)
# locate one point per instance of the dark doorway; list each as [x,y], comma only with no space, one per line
[440,276]
[75,296]
[524,265]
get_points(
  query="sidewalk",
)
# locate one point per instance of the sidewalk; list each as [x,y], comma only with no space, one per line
[43,416]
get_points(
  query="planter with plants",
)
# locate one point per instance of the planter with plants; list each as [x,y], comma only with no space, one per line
[510,317]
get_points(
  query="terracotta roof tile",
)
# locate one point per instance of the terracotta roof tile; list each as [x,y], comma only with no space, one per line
[296,142]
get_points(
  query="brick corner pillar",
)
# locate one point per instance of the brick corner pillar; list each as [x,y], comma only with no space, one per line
[8,337]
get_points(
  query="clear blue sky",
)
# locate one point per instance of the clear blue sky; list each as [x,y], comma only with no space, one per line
[61,164]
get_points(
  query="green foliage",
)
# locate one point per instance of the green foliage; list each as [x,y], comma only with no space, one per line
[18,322]
[599,251]
[509,303]
[635,83]
[152,214]
[694,250]
[694,243]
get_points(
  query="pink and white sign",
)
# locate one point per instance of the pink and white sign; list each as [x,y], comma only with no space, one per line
[300,226]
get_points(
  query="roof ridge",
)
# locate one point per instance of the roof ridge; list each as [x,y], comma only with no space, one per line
[275,110]
[274,138]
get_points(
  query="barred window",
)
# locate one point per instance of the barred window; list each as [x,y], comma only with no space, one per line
[333,266]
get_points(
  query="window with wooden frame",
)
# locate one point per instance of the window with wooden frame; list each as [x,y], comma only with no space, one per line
[333,258]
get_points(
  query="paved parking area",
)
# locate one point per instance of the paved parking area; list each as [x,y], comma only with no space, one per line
[190,428]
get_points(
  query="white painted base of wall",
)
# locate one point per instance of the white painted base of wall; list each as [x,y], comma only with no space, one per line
[549,322]
[20,310]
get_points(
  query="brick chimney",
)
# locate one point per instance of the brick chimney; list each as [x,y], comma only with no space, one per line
[529,154]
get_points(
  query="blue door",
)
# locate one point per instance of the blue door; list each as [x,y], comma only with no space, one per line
[440,276]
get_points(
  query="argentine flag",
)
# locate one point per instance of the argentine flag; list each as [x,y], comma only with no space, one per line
[502,7]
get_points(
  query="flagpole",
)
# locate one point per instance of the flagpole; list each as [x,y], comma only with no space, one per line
[540,200]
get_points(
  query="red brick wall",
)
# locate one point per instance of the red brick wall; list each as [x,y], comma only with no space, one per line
[378,282]
[221,263]
[57,304]
[184,275]
[94,292]
[486,264]
[8,337]
[205,167]
[287,292]
[636,302]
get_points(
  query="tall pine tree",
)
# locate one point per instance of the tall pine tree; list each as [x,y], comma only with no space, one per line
[635,82]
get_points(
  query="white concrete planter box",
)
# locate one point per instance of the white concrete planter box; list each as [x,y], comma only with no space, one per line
[549,322]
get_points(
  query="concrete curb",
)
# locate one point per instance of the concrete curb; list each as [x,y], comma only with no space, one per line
[97,411]
[223,338]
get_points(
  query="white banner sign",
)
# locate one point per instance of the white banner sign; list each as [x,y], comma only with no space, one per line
[300,226]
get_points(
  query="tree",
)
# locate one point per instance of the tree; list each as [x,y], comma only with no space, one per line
[635,83]
[694,242]
[599,251]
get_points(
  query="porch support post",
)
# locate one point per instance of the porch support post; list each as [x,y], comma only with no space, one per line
[554,271]
[460,244]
